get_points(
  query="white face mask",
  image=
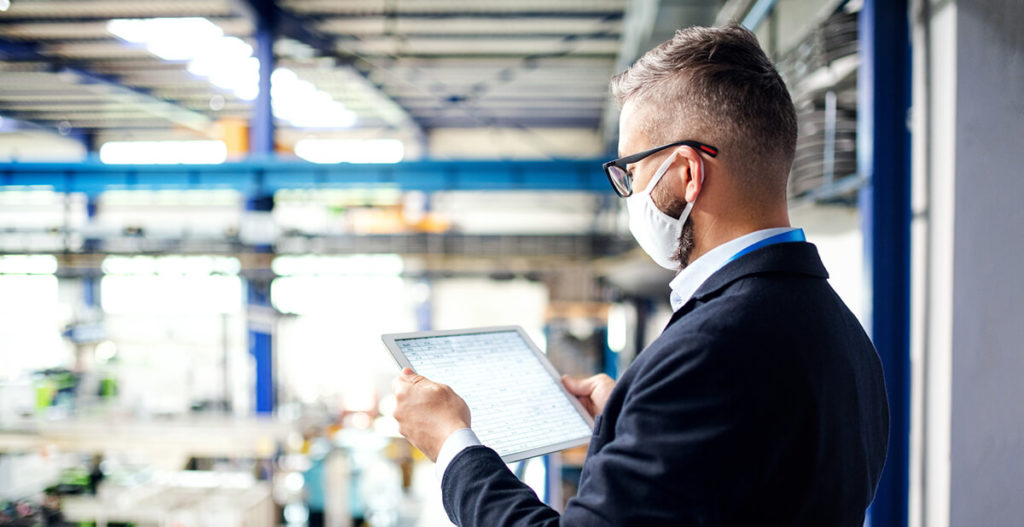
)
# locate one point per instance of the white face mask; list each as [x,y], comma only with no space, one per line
[657,232]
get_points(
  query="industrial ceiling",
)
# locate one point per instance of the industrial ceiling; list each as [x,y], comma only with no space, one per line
[397,64]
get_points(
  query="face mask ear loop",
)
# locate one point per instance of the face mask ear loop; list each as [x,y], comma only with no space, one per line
[659,175]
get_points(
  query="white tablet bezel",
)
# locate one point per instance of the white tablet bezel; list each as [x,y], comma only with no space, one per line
[390,341]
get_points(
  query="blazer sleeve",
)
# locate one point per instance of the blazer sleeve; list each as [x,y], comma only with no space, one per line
[675,451]
[478,489]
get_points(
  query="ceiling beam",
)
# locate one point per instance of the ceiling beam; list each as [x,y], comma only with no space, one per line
[13,122]
[303,30]
[22,51]
[77,9]
[647,23]
[603,14]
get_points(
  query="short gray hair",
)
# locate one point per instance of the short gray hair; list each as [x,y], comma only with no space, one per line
[716,85]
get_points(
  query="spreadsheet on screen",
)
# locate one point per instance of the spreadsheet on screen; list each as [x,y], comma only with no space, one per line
[515,403]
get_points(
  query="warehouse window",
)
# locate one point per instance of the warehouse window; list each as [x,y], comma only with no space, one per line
[179,326]
[171,285]
[330,350]
[29,325]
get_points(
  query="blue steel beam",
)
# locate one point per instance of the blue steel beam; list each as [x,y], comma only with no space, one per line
[883,158]
[13,121]
[17,51]
[261,126]
[261,177]
[757,13]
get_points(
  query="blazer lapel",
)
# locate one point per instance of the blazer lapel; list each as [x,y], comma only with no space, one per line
[790,258]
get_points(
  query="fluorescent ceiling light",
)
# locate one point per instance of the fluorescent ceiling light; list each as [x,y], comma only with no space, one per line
[228,62]
[28,264]
[304,106]
[192,295]
[177,38]
[171,265]
[357,264]
[5,5]
[163,152]
[350,150]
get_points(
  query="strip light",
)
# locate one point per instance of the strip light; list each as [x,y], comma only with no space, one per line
[163,152]
[228,63]
[300,103]
[350,150]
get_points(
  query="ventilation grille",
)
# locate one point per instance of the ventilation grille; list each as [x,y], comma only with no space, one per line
[821,72]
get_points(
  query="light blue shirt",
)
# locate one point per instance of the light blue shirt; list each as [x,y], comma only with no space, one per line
[689,280]
[684,285]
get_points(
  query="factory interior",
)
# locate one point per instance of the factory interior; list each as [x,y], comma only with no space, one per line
[212,210]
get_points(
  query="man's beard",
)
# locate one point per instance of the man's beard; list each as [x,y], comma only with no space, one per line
[674,207]
[685,247]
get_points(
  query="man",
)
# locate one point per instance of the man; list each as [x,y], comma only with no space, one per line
[762,402]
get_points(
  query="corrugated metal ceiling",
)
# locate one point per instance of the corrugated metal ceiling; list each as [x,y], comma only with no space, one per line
[442,63]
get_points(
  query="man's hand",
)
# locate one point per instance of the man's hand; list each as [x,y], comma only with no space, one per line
[592,392]
[427,412]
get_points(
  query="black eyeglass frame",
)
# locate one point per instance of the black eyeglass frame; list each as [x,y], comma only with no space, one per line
[622,162]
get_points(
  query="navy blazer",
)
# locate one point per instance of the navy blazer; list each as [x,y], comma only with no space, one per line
[762,403]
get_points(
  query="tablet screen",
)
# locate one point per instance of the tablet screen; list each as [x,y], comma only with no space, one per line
[518,406]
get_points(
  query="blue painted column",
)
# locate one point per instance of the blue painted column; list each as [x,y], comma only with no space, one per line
[261,317]
[90,291]
[91,244]
[609,357]
[88,140]
[883,159]
[644,308]
[425,307]
[261,126]
[260,332]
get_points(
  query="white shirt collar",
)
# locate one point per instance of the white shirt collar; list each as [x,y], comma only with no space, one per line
[686,283]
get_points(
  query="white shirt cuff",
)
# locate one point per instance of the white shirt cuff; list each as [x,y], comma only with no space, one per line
[458,441]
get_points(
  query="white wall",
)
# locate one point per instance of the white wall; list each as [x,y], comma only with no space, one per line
[470,302]
[516,212]
[934,174]
[968,437]
[37,146]
[987,441]
[836,232]
[514,143]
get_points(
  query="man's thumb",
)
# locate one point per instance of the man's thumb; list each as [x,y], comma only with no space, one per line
[575,386]
[411,376]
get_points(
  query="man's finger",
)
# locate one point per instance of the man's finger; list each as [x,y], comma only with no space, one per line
[411,377]
[399,385]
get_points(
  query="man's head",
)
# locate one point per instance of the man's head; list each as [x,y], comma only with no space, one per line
[716,86]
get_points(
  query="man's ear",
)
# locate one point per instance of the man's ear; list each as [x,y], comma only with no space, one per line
[692,173]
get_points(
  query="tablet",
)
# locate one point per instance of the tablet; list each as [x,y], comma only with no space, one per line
[517,403]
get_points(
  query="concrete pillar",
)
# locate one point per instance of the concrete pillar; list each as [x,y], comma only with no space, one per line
[968,121]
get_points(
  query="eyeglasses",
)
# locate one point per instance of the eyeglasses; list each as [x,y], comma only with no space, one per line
[622,180]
